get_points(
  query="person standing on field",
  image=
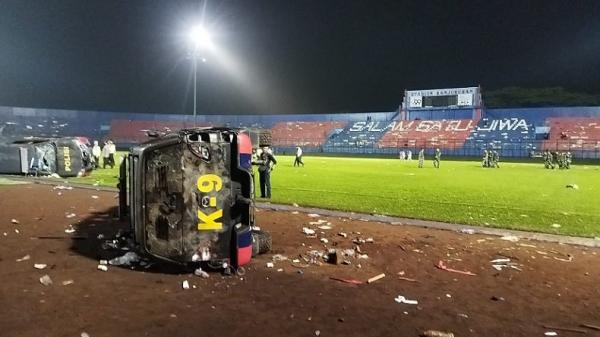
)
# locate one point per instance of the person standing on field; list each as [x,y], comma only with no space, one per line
[266,163]
[437,157]
[112,150]
[96,153]
[105,155]
[421,158]
[298,159]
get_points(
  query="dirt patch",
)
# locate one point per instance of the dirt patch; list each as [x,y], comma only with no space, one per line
[541,287]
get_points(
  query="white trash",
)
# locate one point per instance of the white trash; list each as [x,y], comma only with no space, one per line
[402,299]
[46,280]
[127,259]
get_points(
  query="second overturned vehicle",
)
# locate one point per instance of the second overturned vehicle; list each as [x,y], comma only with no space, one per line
[189,197]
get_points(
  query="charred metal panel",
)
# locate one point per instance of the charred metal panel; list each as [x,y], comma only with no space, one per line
[163,190]
[207,198]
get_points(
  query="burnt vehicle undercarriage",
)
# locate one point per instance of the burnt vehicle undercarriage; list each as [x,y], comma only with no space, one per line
[189,198]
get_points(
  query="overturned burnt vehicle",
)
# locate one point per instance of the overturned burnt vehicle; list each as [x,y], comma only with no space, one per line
[189,197]
[64,156]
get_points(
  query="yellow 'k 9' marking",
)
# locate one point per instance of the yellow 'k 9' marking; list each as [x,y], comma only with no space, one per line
[208,183]
[209,222]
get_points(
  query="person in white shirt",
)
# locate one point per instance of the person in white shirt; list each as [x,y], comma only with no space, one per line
[105,155]
[298,161]
[112,150]
[96,153]
[409,155]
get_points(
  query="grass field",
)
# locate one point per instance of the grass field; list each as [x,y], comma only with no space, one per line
[516,196]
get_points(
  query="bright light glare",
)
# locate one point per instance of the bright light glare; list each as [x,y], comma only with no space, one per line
[200,38]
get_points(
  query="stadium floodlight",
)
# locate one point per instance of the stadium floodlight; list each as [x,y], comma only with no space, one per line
[199,39]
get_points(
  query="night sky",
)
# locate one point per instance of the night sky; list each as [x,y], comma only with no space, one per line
[287,56]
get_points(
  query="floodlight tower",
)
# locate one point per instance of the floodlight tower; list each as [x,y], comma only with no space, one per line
[199,40]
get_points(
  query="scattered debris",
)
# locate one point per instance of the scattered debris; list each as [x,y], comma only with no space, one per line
[279,257]
[369,240]
[24,258]
[573,186]
[270,265]
[14,221]
[313,215]
[280,270]
[550,333]
[70,229]
[324,227]
[349,281]
[85,334]
[295,212]
[500,264]
[497,298]
[308,231]
[295,205]
[442,266]
[67,282]
[94,197]
[332,257]
[363,256]
[407,279]
[201,273]
[510,238]
[185,285]
[127,259]
[467,231]
[46,280]
[70,215]
[40,266]
[555,225]
[435,333]
[402,299]
[102,267]
[342,234]
[62,187]
[324,240]
[375,278]
[317,332]
[569,259]
[348,252]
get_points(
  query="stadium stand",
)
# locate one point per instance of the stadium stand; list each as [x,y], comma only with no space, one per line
[135,131]
[573,134]
[510,136]
[305,134]
[515,132]
[356,135]
[443,134]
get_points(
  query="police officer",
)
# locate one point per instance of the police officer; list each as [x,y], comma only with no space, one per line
[265,163]
[568,159]
[421,158]
[437,157]
[495,159]
[485,162]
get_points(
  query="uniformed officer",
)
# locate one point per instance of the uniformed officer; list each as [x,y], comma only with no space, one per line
[437,157]
[266,163]
[486,158]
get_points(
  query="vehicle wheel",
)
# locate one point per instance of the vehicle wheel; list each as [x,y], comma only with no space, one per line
[261,242]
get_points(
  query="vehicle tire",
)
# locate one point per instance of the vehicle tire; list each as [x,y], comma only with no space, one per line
[261,242]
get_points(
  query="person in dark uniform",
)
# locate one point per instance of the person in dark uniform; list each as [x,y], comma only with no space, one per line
[266,162]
